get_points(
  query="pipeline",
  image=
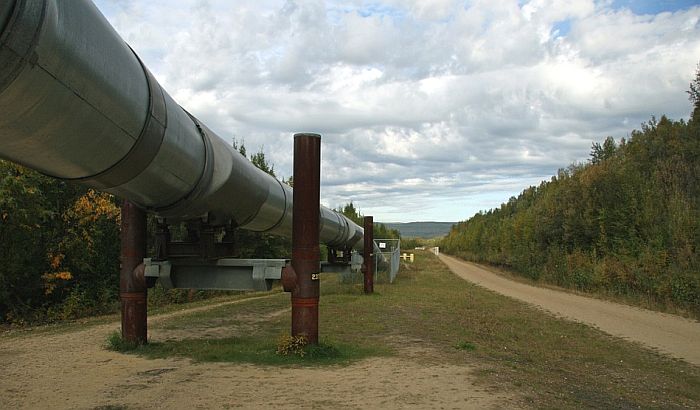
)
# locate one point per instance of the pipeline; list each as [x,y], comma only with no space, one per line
[78,104]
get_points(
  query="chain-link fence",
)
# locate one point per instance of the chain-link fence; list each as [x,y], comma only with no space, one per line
[390,251]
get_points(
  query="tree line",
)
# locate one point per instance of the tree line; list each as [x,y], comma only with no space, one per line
[59,249]
[626,222]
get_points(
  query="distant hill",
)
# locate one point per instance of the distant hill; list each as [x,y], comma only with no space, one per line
[421,229]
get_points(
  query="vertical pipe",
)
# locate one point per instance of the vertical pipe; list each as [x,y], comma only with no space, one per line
[305,235]
[132,285]
[368,255]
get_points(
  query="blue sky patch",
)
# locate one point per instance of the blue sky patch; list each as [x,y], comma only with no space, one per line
[382,10]
[561,28]
[654,6]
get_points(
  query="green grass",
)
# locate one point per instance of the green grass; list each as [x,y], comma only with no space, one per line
[464,345]
[116,343]
[631,299]
[254,350]
[430,316]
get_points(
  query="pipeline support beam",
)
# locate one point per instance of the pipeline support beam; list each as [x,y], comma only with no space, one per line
[305,236]
[215,274]
[368,255]
[132,283]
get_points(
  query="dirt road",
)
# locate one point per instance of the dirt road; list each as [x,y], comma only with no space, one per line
[71,370]
[676,336]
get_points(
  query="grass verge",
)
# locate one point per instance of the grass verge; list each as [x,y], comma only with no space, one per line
[637,300]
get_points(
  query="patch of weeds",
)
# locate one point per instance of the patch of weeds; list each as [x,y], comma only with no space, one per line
[464,345]
[292,345]
[299,346]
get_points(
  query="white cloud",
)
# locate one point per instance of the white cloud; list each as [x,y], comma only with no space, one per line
[429,109]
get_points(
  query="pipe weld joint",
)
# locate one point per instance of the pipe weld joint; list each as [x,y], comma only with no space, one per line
[305,302]
[147,145]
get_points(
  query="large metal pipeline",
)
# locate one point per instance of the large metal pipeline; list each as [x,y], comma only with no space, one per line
[76,103]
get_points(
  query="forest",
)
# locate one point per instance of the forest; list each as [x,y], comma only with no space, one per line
[59,247]
[626,222]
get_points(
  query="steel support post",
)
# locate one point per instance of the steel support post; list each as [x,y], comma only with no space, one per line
[368,255]
[132,284]
[305,236]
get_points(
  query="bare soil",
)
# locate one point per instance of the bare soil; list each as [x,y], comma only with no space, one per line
[673,335]
[73,370]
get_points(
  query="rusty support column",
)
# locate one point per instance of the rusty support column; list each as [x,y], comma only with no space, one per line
[305,236]
[132,285]
[368,255]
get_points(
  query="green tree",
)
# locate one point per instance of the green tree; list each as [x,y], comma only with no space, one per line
[351,213]
[258,244]
[258,159]
[380,231]
[240,147]
[694,93]
[57,248]
[602,152]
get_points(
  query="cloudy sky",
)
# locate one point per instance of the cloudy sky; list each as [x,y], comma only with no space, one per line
[429,110]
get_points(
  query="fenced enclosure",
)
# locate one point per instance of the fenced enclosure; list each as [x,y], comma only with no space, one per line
[386,263]
[390,249]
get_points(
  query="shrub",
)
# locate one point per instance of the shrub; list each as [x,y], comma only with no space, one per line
[292,345]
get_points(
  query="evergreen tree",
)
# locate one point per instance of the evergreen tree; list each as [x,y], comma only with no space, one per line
[694,93]
[602,152]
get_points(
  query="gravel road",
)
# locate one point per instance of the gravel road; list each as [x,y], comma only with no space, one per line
[670,334]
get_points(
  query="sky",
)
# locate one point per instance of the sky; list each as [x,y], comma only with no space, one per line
[428,110]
